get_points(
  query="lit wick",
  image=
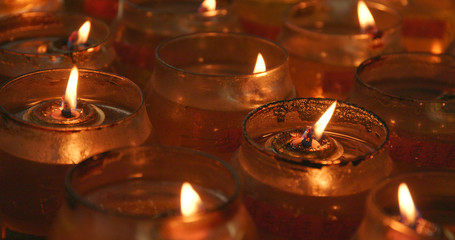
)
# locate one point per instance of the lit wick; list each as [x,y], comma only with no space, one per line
[207,6]
[79,38]
[312,135]
[69,101]
[190,202]
[368,24]
[411,217]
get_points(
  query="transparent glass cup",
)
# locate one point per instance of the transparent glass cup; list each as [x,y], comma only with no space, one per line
[143,24]
[135,193]
[433,193]
[414,94]
[199,94]
[325,44]
[25,47]
[262,17]
[294,194]
[36,150]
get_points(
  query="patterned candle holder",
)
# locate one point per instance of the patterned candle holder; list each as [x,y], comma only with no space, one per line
[143,24]
[315,193]
[199,93]
[434,197]
[135,192]
[25,47]
[326,44]
[37,146]
[414,94]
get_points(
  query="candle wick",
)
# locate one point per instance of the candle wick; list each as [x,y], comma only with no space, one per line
[66,111]
[307,139]
[71,40]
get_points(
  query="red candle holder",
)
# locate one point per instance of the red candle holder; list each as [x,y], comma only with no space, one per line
[315,193]
[37,146]
[413,93]
[326,44]
[144,24]
[131,192]
[25,47]
[434,197]
[105,10]
[199,94]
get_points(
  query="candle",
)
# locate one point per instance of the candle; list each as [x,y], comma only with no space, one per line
[25,47]
[393,213]
[413,93]
[39,141]
[200,93]
[298,191]
[142,25]
[263,18]
[140,193]
[327,41]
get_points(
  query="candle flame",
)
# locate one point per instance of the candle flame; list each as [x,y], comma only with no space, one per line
[190,202]
[407,208]
[71,89]
[83,32]
[260,64]
[208,6]
[320,125]
[366,20]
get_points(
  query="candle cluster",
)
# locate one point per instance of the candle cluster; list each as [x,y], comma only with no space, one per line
[303,125]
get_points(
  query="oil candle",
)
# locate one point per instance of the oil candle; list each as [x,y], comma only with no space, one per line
[326,41]
[200,93]
[38,142]
[143,24]
[25,47]
[414,94]
[411,206]
[137,192]
[312,192]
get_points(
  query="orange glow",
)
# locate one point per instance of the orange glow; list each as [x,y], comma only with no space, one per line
[82,34]
[71,89]
[320,125]
[208,5]
[366,20]
[407,208]
[260,64]
[190,202]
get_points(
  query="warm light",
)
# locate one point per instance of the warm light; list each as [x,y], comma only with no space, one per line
[208,5]
[190,202]
[260,64]
[82,34]
[436,47]
[71,89]
[366,20]
[320,125]
[407,208]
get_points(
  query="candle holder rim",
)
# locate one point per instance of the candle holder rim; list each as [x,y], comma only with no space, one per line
[357,36]
[295,161]
[74,128]
[155,218]
[190,13]
[217,34]
[69,52]
[372,60]
[371,203]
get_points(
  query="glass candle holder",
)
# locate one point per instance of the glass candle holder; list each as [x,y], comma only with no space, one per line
[15,7]
[433,193]
[135,192]
[325,44]
[143,24]
[414,94]
[262,18]
[36,148]
[25,47]
[199,93]
[105,10]
[297,194]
